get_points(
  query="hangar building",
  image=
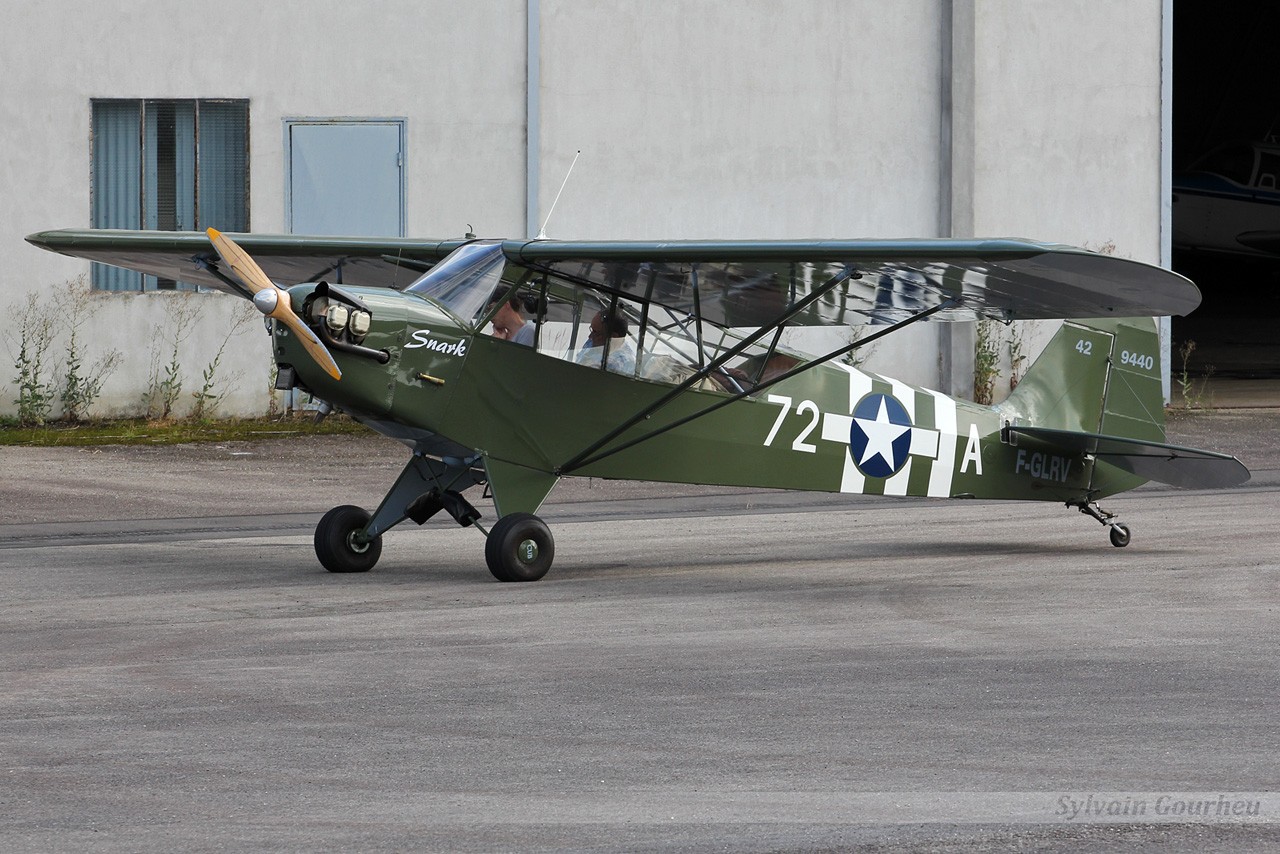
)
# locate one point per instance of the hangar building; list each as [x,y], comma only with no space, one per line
[1044,119]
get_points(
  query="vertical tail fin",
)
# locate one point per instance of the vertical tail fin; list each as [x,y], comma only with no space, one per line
[1096,391]
[1097,376]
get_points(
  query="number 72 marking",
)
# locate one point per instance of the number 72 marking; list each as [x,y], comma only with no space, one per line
[805,406]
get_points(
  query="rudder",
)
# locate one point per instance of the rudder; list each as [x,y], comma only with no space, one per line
[1134,406]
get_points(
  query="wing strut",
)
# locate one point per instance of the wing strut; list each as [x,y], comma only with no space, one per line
[213,270]
[593,453]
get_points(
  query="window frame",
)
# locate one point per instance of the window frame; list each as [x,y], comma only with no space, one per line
[97,184]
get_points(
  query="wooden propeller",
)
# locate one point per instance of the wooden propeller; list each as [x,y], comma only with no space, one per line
[271,300]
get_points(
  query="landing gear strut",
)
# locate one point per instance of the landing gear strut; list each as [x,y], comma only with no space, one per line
[1119,532]
[349,539]
[519,546]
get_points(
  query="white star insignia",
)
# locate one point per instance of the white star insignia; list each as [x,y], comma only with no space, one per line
[881,434]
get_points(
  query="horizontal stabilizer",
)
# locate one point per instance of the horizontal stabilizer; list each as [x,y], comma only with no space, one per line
[1185,467]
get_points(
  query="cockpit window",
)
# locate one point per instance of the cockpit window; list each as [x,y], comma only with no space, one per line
[465,280]
[651,342]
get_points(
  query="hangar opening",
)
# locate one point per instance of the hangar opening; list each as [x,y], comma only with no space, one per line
[1226,186]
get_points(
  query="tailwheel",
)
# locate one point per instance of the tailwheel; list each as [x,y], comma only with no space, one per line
[519,548]
[1119,532]
[340,544]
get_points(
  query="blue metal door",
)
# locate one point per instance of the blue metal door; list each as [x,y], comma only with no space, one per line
[345,178]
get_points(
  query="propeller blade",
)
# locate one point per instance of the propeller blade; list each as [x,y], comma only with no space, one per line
[240,262]
[280,308]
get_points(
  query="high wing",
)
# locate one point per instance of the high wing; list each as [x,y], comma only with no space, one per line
[728,283]
[751,283]
[287,259]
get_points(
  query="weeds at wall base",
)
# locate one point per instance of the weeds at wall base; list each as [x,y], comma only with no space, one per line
[143,431]
[1192,393]
[986,362]
[76,383]
[36,324]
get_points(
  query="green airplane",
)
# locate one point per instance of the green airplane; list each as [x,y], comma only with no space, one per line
[510,364]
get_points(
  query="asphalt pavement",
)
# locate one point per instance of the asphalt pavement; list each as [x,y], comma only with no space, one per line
[703,669]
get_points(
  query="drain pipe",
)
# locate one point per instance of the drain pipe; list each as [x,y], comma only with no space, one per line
[532,116]
[1166,183]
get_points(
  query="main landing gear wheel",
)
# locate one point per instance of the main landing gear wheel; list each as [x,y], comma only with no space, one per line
[1119,535]
[337,546]
[519,548]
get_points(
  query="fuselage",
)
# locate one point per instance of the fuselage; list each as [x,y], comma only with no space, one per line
[450,390]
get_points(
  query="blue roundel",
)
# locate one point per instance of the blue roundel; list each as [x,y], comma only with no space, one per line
[880,439]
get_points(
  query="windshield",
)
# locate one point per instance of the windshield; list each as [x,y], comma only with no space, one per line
[465,280]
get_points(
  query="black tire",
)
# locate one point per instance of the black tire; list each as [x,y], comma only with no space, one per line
[519,548]
[334,544]
[1119,536]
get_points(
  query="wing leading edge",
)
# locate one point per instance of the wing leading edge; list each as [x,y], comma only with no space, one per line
[287,259]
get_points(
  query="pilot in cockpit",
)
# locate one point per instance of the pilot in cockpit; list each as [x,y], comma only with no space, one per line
[510,324]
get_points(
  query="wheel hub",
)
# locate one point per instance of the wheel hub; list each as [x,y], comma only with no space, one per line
[356,543]
[527,551]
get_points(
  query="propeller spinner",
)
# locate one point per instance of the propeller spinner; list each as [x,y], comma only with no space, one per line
[271,300]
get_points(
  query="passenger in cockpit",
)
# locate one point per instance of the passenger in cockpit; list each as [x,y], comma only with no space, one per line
[775,365]
[610,327]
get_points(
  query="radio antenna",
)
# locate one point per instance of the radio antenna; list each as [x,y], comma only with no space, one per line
[542,232]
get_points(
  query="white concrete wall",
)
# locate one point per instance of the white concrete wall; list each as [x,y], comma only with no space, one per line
[455,71]
[774,119]
[140,333]
[697,118]
[1057,118]
[1067,115]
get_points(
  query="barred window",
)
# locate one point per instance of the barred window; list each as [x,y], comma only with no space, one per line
[168,165]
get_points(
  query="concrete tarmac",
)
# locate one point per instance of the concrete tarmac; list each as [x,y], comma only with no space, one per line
[703,669]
